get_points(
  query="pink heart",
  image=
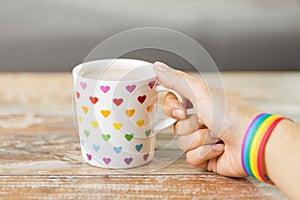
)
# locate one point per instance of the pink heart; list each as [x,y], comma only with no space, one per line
[151,84]
[104,89]
[146,156]
[83,85]
[106,160]
[89,156]
[128,160]
[141,99]
[118,101]
[130,88]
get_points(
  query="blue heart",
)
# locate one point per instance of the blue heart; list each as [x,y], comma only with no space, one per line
[96,147]
[82,142]
[139,147]
[118,149]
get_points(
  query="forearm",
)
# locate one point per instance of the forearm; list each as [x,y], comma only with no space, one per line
[282,158]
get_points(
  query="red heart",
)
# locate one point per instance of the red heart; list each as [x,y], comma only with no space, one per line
[94,100]
[141,99]
[118,101]
[77,94]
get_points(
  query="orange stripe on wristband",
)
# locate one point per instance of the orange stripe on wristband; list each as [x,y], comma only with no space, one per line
[256,145]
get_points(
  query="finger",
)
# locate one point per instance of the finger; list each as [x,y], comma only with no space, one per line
[196,139]
[173,108]
[201,154]
[203,166]
[191,88]
[212,165]
[188,125]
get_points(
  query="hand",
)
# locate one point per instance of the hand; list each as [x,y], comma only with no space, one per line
[212,138]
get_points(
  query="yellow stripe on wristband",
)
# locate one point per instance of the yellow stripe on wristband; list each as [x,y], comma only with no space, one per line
[256,143]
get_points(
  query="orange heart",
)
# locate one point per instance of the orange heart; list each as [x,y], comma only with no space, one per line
[95,124]
[85,109]
[140,123]
[130,112]
[149,108]
[105,113]
[117,126]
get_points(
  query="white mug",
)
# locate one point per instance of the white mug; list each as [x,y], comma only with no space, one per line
[116,115]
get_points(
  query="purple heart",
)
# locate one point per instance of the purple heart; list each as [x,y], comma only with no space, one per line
[104,89]
[106,160]
[151,84]
[89,156]
[83,85]
[128,160]
[146,156]
[130,88]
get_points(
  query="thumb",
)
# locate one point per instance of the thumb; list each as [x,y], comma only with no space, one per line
[189,87]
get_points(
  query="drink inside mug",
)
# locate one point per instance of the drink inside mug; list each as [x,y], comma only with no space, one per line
[117,70]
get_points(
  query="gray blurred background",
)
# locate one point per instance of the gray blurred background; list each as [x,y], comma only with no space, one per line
[55,35]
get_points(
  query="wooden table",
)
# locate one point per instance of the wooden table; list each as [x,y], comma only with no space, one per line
[40,152]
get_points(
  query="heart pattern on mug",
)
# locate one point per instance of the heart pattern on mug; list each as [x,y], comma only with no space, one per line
[106,137]
[94,100]
[77,94]
[117,149]
[79,118]
[128,160]
[142,98]
[85,109]
[89,156]
[145,156]
[117,125]
[108,132]
[83,85]
[147,132]
[130,88]
[139,147]
[86,133]
[106,160]
[151,84]
[105,113]
[140,123]
[96,147]
[149,108]
[104,88]
[129,137]
[95,124]
[130,113]
[118,101]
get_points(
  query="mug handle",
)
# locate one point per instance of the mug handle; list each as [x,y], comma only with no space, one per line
[163,124]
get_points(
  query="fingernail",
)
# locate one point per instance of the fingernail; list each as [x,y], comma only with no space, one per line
[160,67]
[177,113]
[218,147]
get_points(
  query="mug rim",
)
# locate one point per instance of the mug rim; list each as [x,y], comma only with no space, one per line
[77,68]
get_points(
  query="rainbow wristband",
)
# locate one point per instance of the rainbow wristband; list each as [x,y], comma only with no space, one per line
[254,143]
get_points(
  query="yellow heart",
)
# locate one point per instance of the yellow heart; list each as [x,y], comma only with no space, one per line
[80,119]
[140,123]
[105,113]
[85,109]
[130,112]
[95,124]
[117,126]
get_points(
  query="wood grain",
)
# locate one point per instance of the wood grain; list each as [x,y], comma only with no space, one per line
[40,153]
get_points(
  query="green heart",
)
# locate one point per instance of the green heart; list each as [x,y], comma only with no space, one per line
[106,137]
[129,137]
[147,132]
[87,133]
